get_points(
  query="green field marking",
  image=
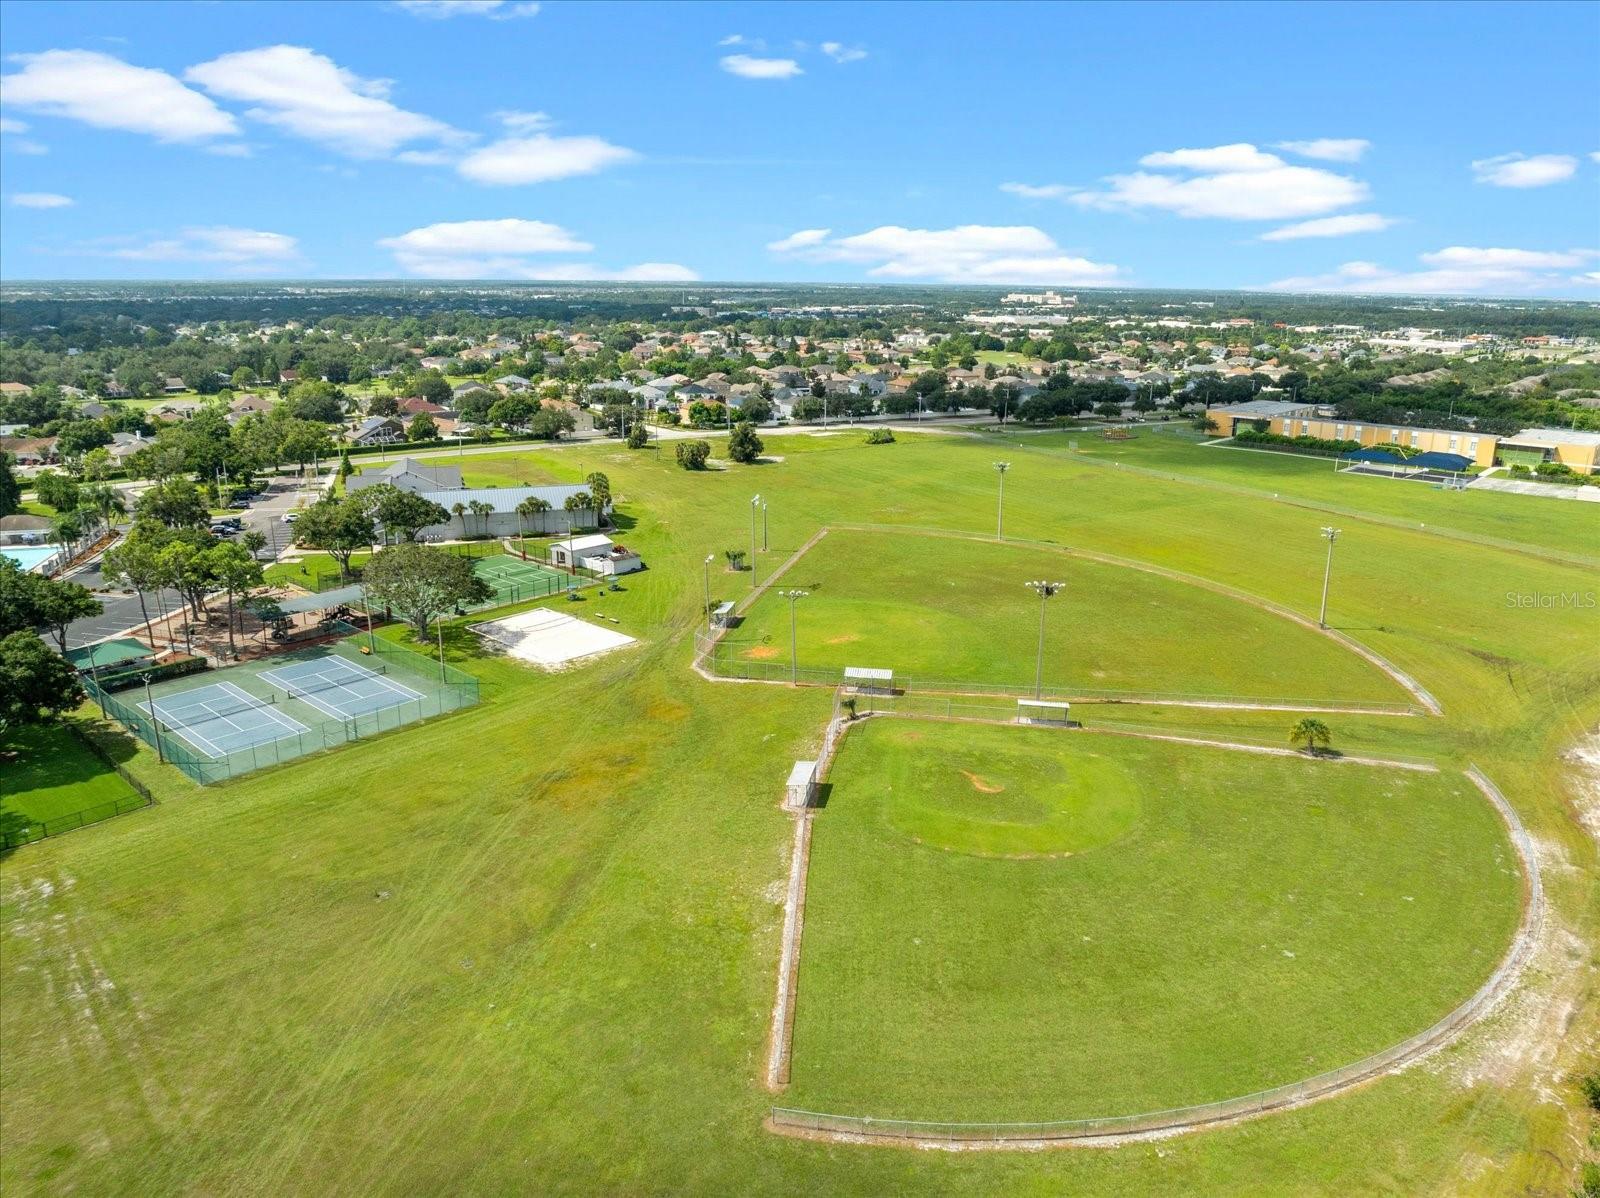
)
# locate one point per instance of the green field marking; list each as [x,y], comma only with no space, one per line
[1268,919]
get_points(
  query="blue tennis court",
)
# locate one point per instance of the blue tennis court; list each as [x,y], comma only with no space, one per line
[220,718]
[339,688]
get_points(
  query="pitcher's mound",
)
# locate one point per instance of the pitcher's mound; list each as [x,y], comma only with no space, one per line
[550,638]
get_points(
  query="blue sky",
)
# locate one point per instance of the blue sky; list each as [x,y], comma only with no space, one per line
[1372,148]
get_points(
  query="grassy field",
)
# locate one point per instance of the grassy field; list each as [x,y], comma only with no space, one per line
[956,609]
[47,773]
[1219,923]
[532,945]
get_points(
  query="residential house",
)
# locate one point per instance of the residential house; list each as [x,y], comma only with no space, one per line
[377,430]
[513,383]
[30,451]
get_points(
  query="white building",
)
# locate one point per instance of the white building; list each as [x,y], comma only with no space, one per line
[598,553]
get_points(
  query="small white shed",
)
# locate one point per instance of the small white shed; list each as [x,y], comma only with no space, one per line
[802,785]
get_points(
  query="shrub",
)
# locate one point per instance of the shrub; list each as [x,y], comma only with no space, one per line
[1590,1086]
[693,455]
[743,444]
[880,436]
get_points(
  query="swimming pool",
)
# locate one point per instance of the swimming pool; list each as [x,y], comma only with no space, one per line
[29,557]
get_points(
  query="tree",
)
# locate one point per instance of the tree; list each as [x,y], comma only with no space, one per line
[433,387]
[105,501]
[58,604]
[482,511]
[638,435]
[235,570]
[421,582]
[68,528]
[422,428]
[577,504]
[36,685]
[693,455]
[743,444]
[338,527]
[383,405]
[56,490]
[304,441]
[531,506]
[600,488]
[401,511]
[10,489]
[175,503]
[1312,735]
[735,558]
[134,562]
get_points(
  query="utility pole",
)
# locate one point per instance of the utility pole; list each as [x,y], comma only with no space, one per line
[1046,591]
[710,557]
[1000,517]
[755,503]
[794,659]
[1331,534]
[439,624]
[763,528]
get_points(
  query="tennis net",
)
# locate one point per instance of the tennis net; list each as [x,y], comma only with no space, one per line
[299,690]
[200,713]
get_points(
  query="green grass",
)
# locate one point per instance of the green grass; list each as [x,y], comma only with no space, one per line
[1236,922]
[940,608]
[47,773]
[533,944]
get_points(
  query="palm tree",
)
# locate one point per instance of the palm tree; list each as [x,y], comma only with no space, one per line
[580,502]
[106,500]
[1312,734]
[600,488]
[483,511]
[67,529]
[460,511]
[531,506]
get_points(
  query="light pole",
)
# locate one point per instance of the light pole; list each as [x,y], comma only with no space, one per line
[710,557]
[1046,591]
[755,503]
[1000,515]
[439,624]
[1331,534]
[763,528]
[155,723]
[794,659]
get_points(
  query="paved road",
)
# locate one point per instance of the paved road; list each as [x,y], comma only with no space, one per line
[122,610]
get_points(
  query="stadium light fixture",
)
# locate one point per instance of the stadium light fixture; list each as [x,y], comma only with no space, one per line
[755,504]
[794,659]
[1000,516]
[1331,535]
[1046,591]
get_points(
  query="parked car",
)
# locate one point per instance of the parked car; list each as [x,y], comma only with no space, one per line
[238,503]
[290,517]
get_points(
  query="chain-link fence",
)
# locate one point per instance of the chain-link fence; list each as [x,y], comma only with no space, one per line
[723,656]
[439,688]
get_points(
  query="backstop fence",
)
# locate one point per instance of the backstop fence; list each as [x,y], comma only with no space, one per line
[440,688]
[1262,1101]
[722,656]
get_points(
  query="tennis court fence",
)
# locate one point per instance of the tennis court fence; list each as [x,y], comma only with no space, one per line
[441,689]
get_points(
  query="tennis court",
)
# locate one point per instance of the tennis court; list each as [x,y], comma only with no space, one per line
[339,688]
[219,718]
[514,580]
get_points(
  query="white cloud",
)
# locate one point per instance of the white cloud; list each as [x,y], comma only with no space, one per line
[1232,182]
[747,67]
[23,145]
[41,199]
[311,96]
[1524,170]
[1239,156]
[799,241]
[480,249]
[99,90]
[1455,270]
[739,39]
[8,125]
[1332,226]
[495,10]
[239,248]
[540,158]
[231,149]
[1594,155]
[966,254]
[1043,191]
[1328,149]
[841,53]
